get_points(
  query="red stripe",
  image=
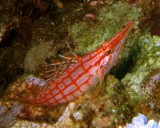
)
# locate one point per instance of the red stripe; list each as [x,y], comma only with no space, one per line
[81,64]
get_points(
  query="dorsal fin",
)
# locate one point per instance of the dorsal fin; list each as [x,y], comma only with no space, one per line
[56,68]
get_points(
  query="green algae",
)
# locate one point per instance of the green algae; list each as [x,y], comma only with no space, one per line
[147,59]
[89,36]
[132,88]
[36,56]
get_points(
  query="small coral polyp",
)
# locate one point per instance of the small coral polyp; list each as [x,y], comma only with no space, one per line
[141,122]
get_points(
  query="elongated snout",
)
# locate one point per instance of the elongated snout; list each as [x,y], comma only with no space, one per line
[115,44]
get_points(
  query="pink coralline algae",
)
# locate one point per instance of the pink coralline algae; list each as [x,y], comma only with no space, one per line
[153,88]
[141,122]
[8,115]
[154,79]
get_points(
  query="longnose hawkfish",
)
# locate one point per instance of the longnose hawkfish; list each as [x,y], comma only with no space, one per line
[78,76]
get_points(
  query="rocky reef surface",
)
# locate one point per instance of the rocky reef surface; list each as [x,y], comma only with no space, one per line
[33,33]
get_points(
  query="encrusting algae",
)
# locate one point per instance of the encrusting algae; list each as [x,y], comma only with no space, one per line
[90,35]
[76,76]
[116,103]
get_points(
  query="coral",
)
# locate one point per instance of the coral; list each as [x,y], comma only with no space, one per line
[89,36]
[36,56]
[42,41]
[65,120]
[92,109]
[9,113]
[141,122]
[31,124]
[152,87]
[116,102]
[146,59]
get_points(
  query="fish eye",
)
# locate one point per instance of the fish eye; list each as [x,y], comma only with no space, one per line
[109,51]
[32,79]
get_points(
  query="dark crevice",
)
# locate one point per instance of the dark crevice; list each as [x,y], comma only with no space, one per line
[8,39]
[120,71]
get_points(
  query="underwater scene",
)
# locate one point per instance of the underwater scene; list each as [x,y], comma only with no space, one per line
[80,64]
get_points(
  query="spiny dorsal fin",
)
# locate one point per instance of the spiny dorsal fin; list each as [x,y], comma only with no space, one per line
[56,68]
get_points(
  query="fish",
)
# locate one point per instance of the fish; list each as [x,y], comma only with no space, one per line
[79,75]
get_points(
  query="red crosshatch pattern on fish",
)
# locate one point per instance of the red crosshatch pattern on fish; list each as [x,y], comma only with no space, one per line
[79,76]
